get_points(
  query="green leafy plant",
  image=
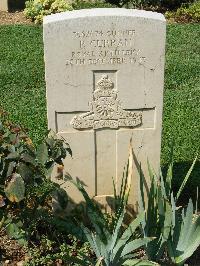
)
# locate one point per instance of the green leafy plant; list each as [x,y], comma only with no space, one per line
[119,3]
[81,4]
[52,252]
[25,186]
[37,9]
[186,13]
[150,4]
[159,220]
[15,188]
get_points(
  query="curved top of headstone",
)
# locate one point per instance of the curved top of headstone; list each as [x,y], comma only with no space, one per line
[103,12]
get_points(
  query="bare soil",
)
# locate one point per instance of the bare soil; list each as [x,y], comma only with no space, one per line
[17,17]
[11,253]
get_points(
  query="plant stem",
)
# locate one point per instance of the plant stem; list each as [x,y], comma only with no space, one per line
[2,222]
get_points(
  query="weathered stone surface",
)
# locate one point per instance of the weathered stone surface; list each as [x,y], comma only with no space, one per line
[3,5]
[104,78]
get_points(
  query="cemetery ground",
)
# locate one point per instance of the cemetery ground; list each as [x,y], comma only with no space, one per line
[16,17]
[23,96]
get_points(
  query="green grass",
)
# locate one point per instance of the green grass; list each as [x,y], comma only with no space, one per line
[23,88]
[181,119]
[22,77]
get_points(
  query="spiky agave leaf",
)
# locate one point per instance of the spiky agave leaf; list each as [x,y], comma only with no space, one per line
[130,169]
[185,237]
[119,243]
[115,235]
[129,232]
[116,250]
[134,245]
[92,241]
[140,263]
[94,212]
[99,261]
[168,183]
[186,179]
[157,219]
[121,199]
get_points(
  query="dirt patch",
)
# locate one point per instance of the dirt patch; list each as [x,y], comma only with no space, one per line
[17,17]
[11,253]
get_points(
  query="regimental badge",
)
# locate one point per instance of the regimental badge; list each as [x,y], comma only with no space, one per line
[106,110]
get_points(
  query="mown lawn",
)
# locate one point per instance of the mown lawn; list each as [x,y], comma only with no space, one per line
[23,88]
[22,77]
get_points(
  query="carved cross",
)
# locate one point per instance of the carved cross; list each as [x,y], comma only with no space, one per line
[105,114]
[100,137]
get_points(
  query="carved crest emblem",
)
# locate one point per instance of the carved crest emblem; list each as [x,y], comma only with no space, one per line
[105,110]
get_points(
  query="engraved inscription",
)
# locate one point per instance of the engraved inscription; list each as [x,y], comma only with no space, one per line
[99,47]
[106,110]
[100,33]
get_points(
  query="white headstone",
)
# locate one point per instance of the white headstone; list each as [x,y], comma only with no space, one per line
[3,5]
[104,78]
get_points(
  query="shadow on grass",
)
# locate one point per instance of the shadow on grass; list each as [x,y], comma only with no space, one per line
[180,170]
